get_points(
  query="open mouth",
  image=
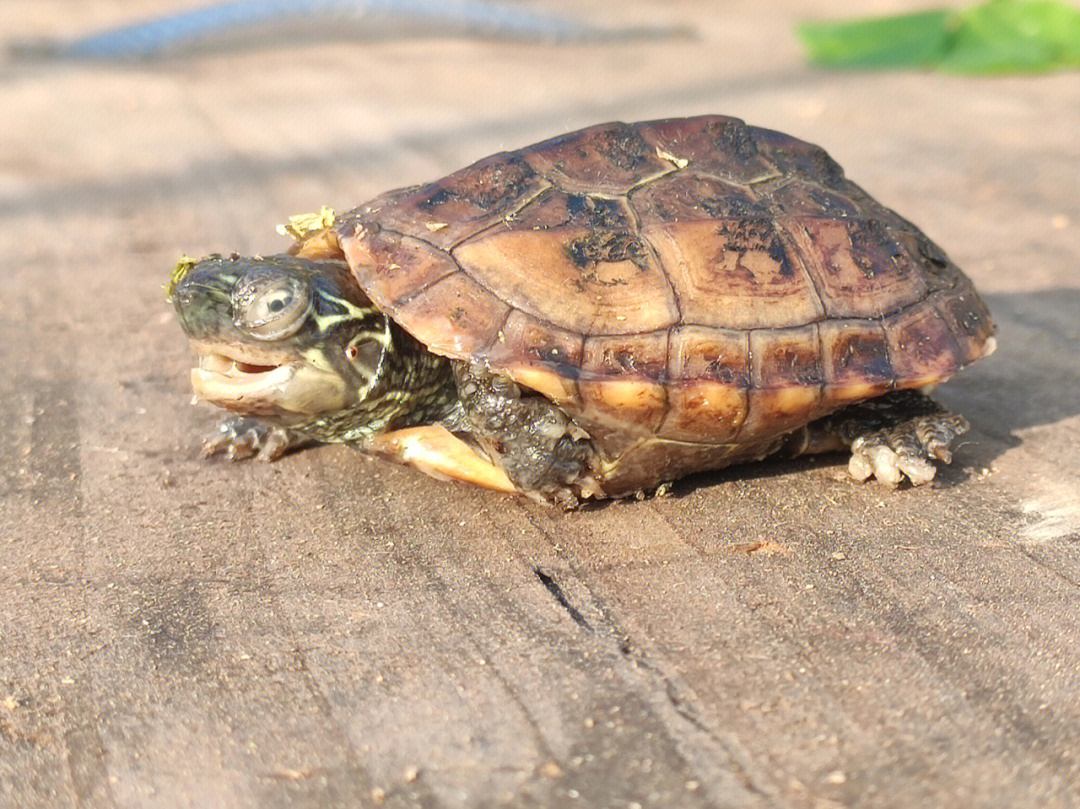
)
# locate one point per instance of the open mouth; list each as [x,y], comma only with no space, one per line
[222,364]
[237,383]
[258,381]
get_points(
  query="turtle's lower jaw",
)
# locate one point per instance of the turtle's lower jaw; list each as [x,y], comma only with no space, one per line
[255,386]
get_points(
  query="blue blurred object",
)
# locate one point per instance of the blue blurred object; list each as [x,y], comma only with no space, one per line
[251,21]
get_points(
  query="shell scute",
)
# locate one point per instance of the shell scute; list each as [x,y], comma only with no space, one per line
[922,347]
[735,274]
[796,158]
[555,209]
[712,144]
[585,280]
[855,355]
[539,355]
[798,198]
[708,377]
[459,205]
[969,321]
[622,378]
[859,269]
[604,159]
[458,316]
[394,267]
[687,197]
[936,270]
[786,380]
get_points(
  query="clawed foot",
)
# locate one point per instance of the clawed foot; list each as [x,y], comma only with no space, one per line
[906,449]
[239,437]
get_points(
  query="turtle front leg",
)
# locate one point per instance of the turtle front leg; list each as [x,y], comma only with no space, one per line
[435,451]
[901,434]
[539,447]
[240,437]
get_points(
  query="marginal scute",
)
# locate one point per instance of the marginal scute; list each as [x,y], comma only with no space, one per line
[392,267]
[786,380]
[455,317]
[708,375]
[540,356]
[855,358]
[922,347]
[621,378]
[969,320]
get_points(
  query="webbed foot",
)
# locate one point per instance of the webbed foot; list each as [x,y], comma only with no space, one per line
[907,449]
[899,435]
[240,437]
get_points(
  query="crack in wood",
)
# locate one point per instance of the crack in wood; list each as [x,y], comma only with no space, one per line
[552,586]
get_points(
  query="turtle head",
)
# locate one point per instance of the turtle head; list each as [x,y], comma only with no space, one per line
[281,337]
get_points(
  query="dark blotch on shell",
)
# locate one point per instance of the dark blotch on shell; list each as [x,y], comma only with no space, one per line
[485,187]
[733,138]
[595,212]
[754,235]
[732,207]
[607,245]
[622,146]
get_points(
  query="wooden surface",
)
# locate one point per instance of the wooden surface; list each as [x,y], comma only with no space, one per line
[331,630]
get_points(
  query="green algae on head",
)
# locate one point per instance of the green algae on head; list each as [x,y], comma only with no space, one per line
[182,268]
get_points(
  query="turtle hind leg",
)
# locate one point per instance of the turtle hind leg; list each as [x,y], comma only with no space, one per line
[240,437]
[902,434]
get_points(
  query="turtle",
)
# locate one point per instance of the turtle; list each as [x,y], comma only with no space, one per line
[596,316]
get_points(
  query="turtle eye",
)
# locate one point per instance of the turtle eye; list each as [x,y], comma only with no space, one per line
[270,306]
[365,356]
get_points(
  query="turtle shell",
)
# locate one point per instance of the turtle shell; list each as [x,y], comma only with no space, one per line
[690,281]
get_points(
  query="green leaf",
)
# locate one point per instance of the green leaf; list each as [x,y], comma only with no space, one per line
[1015,36]
[909,39]
[996,36]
